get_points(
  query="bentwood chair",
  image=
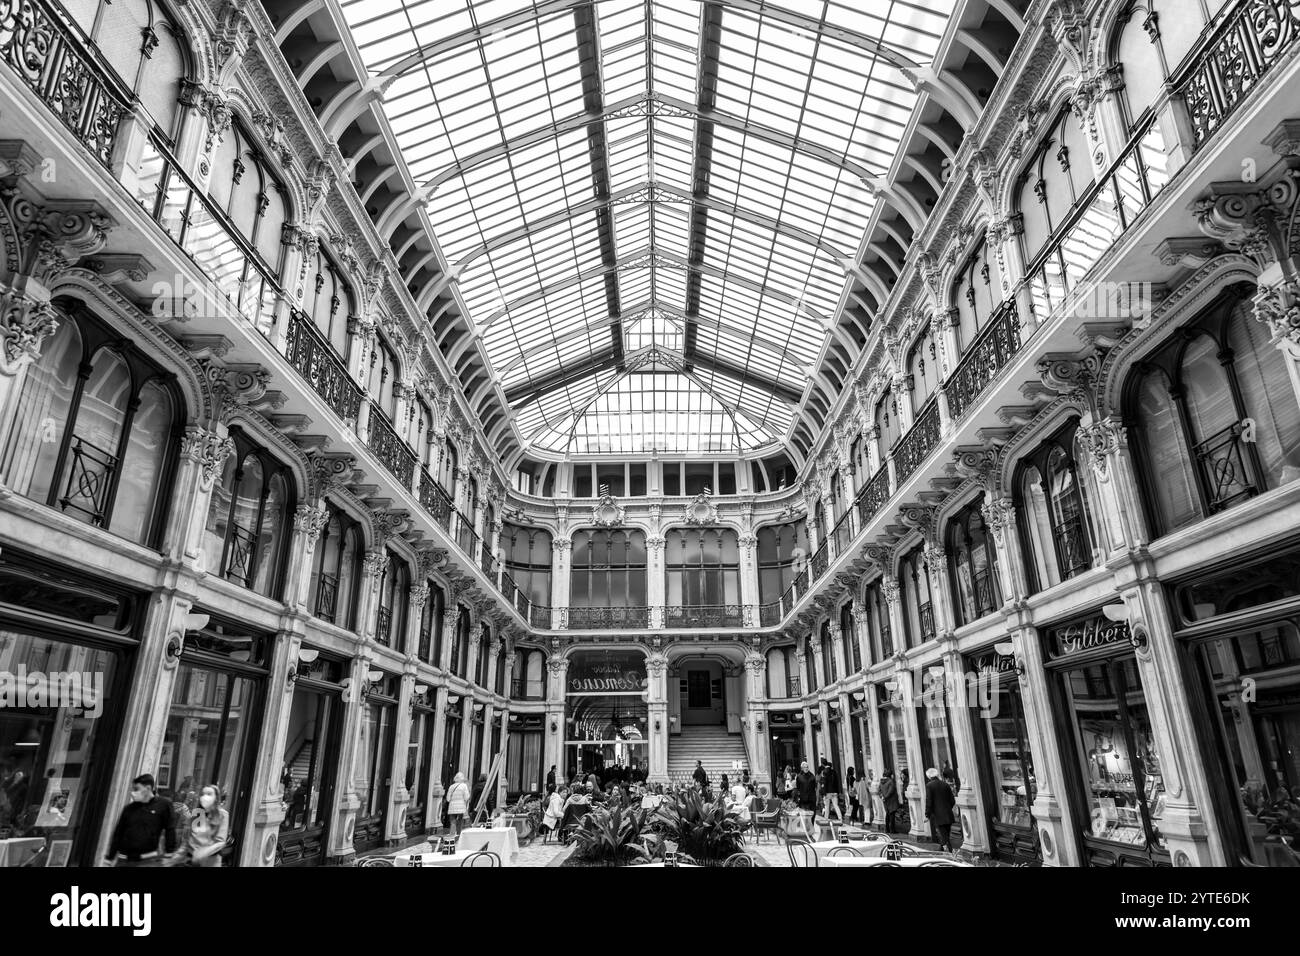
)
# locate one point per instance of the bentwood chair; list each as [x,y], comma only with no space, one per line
[481,858]
[768,820]
[801,853]
[843,851]
[740,859]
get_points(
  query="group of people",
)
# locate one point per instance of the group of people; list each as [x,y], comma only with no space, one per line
[155,831]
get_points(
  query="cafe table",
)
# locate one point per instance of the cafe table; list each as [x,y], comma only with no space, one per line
[663,866]
[861,847]
[503,841]
[908,861]
[420,860]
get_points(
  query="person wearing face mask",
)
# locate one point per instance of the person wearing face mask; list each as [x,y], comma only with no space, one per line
[146,821]
[209,829]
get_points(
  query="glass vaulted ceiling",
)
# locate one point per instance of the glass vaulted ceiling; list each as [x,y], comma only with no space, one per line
[649,207]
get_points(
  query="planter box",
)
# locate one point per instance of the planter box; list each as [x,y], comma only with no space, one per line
[800,824]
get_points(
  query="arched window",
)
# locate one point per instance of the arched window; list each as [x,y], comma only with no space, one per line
[1214,414]
[383,376]
[424,437]
[481,674]
[878,626]
[849,635]
[914,592]
[608,569]
[782,548]
[1055,519]
[394,592]
[430,649]
[246,539]
[336,573]
[976,295]
[702,571]
[328,300]
[95,430]
[829,669]
[528,680]
[527,553]
[460,648]
[447,467]
[783,672]
[922,369]
[251,196]
[972,564]
[145,48]
[888,428]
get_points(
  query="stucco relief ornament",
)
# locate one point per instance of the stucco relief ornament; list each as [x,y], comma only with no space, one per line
[1278,307]
[700,510]
[607,513]
[24,326]
[1100,440]
[310,521]
[209,451]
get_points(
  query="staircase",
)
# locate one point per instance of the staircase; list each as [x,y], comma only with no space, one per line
[301,763]
[710,744]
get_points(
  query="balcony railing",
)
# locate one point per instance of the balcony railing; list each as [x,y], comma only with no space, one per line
[539,615]
[921,439]
[841,535]
[1243,49]
[984,360]
[711,615]
[40,47]
[327,596]
[602,618]
[466,536]
[819,560]
[435,500]
[89,480]
[315,360]
[1225,472]
[792,686]
[239,555]
[769,615]
[1072,552]
[384,626]
[392,452]
[926,614]
[873,496]
[985,602]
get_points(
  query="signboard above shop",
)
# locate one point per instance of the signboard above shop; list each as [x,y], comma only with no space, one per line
[606,672]
[1093,633]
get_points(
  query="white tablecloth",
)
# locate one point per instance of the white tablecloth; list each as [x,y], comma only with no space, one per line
[18,850]
[503,841]
[862,847]
[439,859]
[662,866]
[878,860]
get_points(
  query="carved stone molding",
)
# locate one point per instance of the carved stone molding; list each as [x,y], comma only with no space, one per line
[208,450]
[607,513]
[700,510]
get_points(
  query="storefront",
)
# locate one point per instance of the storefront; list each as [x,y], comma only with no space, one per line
[475,743]
[454,721]
[607,714]
[893,735]
[215,719]
[524,772]
[1113,770]
[379,714]
[419,758]
[1002,747]
[1238,627]
[310,761]
[67,647]
[786,731]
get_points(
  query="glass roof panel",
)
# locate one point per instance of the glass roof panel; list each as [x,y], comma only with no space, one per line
[568,168]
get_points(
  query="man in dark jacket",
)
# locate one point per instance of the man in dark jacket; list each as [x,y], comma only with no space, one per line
[145,821]
[889,797]
[939,803]
[550,781]
[700,776]
[830,784]
[805,785]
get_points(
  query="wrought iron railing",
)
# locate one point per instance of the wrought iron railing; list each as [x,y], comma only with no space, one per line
[539,615]
[1242,50]
[769,615]
[987,356]
[327,596]
[920,440]
[1225,471]
[985,600]
[435,500]
[710,615]
[392,452]
[487,562]
[466,536]
[792,686]
[316,361]
[384,626]
[873,496]
[591,618]
[90,479]
[819,561]
[841,535]
[1071,541]
[37,43]
[926,614]
[239,555]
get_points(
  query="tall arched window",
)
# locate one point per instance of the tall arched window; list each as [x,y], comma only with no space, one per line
[783,676]
[394,592]
[447,466]
[244,187]
[146,49]
[246,538]
[809,665]
[383,375]
[430,649]
[95,430]
[424,437]
[528,679]
[1055,519]
[1215,415]
[849,635]
[608,569]
[914,592]
[702,577]
[922,369]
[976,295]
[888,428]
[878,625]
[481,674]
[460,649]
[336,573]
[972,564]
[782,548]
[829,668]
[328,300]
[528,554]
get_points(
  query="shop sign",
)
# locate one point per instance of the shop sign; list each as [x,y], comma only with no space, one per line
[1077,637]
[607,673]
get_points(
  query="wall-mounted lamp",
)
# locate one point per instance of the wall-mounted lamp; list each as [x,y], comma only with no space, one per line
[307,655]
[374,676]
[554,726]
[758,724]
[835,704]
[1116,612]
[453,699]
[478,708]
[859,695]
[421,688]
[1008,649]
[195,622]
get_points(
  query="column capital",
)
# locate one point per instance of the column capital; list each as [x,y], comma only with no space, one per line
[208,450]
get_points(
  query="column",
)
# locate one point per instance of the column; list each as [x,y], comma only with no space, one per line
[915,794]
[553,747]
[656,583]
[837,650]
[433,800]
[1106,442]
[562,547]
[203,457]
[809,746]
[1000,516]
[657,672]
[502,788]
[759,749]
[750,595]
[815,648]
[307,524]
[475,642]
[372,570]
[936,560]
[848,755]
[485,747]
[259,849]
[861,632]
[970,798]
[877,763]
[347,798]
[801,662]
[398,796]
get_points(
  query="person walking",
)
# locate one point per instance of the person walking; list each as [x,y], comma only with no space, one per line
[851,793]
[209,829]
[145,821]
[457,804]
[805,787]
[554,812]
[939,803]
[550,780]
[788,791]
[830,788]
[865,803]
[889,797]
[700,776]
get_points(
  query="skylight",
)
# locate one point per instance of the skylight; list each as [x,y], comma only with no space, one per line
[626,175]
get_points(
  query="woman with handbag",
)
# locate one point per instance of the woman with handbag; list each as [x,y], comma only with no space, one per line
[457,803]
[209,829]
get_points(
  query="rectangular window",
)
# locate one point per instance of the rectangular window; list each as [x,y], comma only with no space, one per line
[672,479]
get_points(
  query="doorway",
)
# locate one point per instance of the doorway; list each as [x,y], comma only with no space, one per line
[703,693]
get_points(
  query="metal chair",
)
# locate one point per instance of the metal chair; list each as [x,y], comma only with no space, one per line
[806,855]
[376,861]
[481,858]
[768,820]
[843,851]
[739,859]
[939,863]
